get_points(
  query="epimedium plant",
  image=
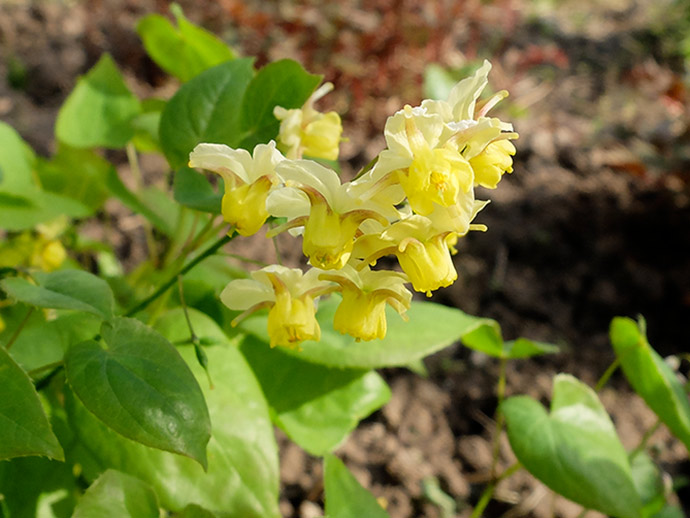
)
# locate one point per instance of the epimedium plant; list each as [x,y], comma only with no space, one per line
[157,391]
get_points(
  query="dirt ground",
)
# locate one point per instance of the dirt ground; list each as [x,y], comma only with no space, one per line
[593,223]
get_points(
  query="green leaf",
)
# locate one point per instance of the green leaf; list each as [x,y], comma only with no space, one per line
[99,111]
[324,406]
[36,487]
[438,82]
[79,174]
[193,190]
[282,83]
[574,450]
[25,210]
[649,483]
[42,342]
[185,51]
[117,495]
[206,109]
[63,289]
[24,428]
[524,348]
[651,377]
[431,327]
[485,338]
[345,497]
[242,476]
[141,387]
[488,339]
[17,161]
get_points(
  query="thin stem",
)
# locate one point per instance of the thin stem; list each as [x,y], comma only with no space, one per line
[275,247]
[17,331]
[165,286]
[488,493]
[200,354]
[607,374]
[500,395]
[645,439]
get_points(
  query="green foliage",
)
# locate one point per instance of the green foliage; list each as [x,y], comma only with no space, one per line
[317,406]
[405,342]
[193,190]
[345,497]
[17,161]
[487,338]
[117,495]
[651,377]
[282,83]
[574,449]
[24,428]
[183,51]
[63,289]
[99,111]
[140,387]
[206,109]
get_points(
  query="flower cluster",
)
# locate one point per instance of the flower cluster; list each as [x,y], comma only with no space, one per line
[414,203]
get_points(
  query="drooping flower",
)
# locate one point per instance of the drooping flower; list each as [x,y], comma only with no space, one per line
[248,180]
[421,248]
[490,164]
[361,313]
[288,293]
[314,198]
[306,131]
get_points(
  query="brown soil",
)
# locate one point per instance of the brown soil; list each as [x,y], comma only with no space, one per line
[592,224]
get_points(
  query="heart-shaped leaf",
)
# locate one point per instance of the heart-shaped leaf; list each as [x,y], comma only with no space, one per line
[24,428]
[117,495]
[574,450]
[651,377]
[242,473]
[63,289]
[141,387]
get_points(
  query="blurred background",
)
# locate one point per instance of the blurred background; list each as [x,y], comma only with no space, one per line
[593,223]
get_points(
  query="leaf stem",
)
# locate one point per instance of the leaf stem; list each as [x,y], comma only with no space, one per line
[139,178]
[645,439]
[191,264]
[607,374]
[200,354]
[488,492]
[19,329]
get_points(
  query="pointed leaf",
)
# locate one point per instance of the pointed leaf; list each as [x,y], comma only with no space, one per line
[63,289]
[485,338]
[24,427]
[574,450]
[282,83]
[524,348]
[17,161]
[193,190]
[651,377]
[242,476]
[206,109]
[99,111]
[183,51]
[321,410]
[142,388]
[345,497]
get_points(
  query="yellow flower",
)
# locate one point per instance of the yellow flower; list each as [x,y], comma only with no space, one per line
[314,198]
[48,255]
[490,164]
[421,248]
[362,311]
[248,180]
[306,131]
[290,296]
